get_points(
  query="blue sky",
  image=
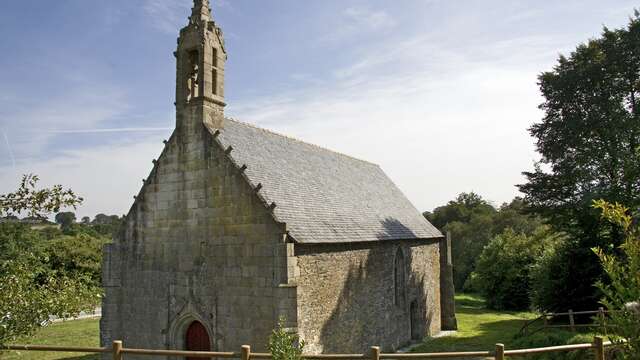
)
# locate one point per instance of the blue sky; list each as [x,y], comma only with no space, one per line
[439,93]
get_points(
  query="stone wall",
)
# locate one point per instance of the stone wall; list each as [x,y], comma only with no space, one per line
[346,295]
[198,244]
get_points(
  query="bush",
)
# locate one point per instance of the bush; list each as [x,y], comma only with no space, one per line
[284,345]
[556,338]
[622,293]
[554,285]
[502,271]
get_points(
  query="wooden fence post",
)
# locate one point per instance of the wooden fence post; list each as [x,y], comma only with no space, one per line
[598,347]
[375,353]
[117,350]
[572,321]
[499,351]
[603,320]
[245,352]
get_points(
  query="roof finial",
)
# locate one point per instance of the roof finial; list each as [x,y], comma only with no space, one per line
[201,11]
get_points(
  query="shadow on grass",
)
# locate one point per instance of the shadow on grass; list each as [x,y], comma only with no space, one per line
[479,328]
[469,302]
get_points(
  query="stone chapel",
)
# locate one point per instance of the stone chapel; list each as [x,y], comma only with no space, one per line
[237,226]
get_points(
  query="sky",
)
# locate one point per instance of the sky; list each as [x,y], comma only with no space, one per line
[439,93]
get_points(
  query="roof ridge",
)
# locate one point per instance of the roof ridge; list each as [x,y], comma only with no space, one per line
[300,141]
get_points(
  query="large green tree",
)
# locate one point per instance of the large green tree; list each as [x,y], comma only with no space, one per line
[587,140]
[31,286]
[469,218]
[473,222]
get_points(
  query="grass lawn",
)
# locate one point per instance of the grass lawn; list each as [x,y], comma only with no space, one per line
[479,329]
[77,333]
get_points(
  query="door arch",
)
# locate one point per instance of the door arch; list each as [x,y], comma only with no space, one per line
[197,338]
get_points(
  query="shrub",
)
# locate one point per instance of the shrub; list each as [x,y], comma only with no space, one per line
[556,338]
[622,292]
[502,272]
[285,345]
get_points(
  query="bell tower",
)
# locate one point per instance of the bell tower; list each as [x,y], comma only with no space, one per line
[201,57]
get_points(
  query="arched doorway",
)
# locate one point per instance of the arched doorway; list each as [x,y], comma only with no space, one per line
[197,338]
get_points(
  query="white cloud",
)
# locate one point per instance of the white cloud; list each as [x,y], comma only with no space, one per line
[76,110]
[439,120]
[167,15]
[107,177]
[357,21]
[170,15]
[369,19]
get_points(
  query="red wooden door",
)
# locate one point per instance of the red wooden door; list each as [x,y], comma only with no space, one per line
[197,338]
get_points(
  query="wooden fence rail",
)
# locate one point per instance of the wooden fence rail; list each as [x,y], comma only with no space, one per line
[499,353]
[528,328]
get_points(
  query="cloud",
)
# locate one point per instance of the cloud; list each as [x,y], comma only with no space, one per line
[112,130]
[9,149]
[47,119]
[438,119]
[363,17]
[170,15]
[358,21]
[167,15]
[106,176]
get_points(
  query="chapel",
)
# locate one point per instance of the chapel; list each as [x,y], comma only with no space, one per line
[237,226]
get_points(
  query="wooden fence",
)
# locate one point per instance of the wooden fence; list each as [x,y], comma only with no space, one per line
[543,321]
[119,351]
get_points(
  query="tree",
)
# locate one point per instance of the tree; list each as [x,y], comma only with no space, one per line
[37,203]
[30,291]
[587,140]
[622,290]
[65,219]
[86,220]
[502,272]
[469,218]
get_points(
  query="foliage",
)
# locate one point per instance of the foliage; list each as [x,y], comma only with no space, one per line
[28,298]
[502,272]
[284,345]
[587,141]
[65,219]
[107,224]
[555,338]
[473,222]
[468,218]
[34,284]
[555,286]
[79,255]
[37,203]
[622,291]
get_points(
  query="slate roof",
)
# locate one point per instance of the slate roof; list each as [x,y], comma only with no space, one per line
[323,196]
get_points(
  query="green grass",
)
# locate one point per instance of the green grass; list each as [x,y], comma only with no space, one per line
[77,333]
[480,329]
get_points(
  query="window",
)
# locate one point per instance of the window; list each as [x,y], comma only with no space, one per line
[214,72]
[399,272]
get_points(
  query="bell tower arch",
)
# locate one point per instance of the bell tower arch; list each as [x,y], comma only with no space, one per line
[201,58]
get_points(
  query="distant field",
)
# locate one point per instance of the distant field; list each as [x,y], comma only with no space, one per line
[80,333]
